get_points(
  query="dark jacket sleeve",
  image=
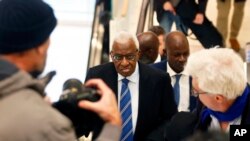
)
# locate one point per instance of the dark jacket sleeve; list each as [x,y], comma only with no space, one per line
[158,7]
[159,3]
[202,6]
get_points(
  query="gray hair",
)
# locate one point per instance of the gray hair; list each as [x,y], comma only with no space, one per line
[123,37]
[218,71]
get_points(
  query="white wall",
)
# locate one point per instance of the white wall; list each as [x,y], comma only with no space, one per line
[69,49]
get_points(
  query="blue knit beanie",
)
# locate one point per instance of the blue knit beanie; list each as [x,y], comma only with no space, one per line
[24,24]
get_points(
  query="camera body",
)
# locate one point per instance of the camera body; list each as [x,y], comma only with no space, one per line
[84,121]
[74,91]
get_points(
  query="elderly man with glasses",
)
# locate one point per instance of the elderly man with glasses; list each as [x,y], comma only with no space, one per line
[219,82]
[149,91]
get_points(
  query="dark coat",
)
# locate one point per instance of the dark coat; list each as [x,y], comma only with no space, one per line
[156,101]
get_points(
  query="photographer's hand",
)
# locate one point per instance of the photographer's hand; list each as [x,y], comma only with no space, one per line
[106,107]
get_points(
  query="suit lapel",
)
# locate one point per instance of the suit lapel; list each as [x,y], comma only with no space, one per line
[112,80]
[109,76]
[142,94]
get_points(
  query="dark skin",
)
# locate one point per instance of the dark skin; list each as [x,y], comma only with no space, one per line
[125,67]
[177,50]
[149,45]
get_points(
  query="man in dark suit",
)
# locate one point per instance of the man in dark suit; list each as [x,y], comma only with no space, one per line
[151,91]
[177,52]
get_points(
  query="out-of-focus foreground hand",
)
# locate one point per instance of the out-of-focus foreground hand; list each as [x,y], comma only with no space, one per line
[106,107]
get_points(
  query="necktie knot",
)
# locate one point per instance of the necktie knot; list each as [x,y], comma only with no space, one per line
[125,81]
[177,77]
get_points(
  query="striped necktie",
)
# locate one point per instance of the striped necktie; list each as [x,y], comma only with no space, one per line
[126,112]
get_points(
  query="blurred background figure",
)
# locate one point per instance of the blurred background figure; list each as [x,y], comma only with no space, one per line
[193,15]
[167,16]
[160,32]
[230,29]
[105,17]
[149,46]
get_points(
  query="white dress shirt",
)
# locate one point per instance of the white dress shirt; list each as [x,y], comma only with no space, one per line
[215,125]
[184,88]
[134,91]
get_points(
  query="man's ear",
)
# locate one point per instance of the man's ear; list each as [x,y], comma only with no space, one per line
[139,53]
[164,52]
[111,56]
[219,98]
[42,49]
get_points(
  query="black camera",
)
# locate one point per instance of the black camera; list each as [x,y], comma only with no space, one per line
[74,91]
[84,121]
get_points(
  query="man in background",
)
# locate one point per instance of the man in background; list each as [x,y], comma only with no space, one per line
[148,44]
[160,32]
[177,52]
[25,28]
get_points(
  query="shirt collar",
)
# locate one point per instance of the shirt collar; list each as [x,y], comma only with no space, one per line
[173,73]
[132,77]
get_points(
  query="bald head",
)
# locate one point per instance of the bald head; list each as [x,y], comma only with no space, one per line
[177,50]
[176,39]
[148,44]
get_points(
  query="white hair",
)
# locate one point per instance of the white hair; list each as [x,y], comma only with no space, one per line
[218,71]
[124,37]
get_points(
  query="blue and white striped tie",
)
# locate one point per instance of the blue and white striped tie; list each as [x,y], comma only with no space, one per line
[126,112]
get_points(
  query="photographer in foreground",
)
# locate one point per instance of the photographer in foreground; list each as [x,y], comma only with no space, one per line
[25,28]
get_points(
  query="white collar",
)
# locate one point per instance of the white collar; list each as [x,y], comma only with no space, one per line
[173,73]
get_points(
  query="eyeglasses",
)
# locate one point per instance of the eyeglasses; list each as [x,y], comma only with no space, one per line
[119,57]
[195,93]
